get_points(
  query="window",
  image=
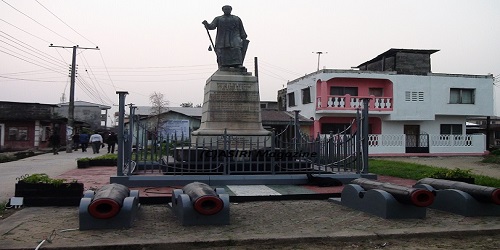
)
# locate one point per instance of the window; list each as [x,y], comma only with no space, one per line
[291,99]
[18,134]
[376,92]
[263,105]
[45,133]
[306,95]
[414,96]
[451,129]
[353,91]
[461,96]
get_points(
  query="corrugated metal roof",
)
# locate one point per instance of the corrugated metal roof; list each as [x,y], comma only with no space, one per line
[393,51]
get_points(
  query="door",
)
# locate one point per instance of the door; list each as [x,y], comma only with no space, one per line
[416,142]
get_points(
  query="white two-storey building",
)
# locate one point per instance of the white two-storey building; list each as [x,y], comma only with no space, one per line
[411,109]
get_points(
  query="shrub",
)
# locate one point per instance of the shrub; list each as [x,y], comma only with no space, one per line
[86,159]
[40,178]
[495,152]
[452,173]
[106,157]
[7,158]
[492,158]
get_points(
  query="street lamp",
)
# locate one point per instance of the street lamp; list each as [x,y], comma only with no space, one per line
[319,56]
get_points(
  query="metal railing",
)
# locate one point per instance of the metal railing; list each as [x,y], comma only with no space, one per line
[147,151]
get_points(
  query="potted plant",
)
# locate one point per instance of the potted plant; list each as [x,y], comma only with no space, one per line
[457,174]
[83,162]
[41,190]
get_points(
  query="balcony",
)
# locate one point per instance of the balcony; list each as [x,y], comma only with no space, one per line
[348,102]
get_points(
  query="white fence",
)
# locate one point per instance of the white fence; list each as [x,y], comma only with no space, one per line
[438,144]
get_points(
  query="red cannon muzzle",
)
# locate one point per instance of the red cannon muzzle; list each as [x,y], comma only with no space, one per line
[480,193]
[108,200]
[422,198]
[205,199]
[208,205]
[495,196]
[407,195]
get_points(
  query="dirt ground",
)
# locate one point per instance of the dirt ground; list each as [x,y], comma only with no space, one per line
[255,225]
[264,225]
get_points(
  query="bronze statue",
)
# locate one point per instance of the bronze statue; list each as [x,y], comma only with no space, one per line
[230,43]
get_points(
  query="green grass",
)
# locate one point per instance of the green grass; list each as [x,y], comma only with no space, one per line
[418,171]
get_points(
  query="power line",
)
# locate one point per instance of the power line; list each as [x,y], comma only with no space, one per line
[45,62]
[31,62]
[36,21]
[32,48]
[24,31]
[24,79]
[44,58]
[64,22]
[88,66]
[280,68]
[30,72]
[109,77]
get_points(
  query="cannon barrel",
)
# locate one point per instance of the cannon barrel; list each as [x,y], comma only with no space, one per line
[108,201]
[205,199]
[480,193]
[407,195]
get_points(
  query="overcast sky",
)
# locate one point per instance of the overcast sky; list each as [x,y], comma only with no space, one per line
[148,46]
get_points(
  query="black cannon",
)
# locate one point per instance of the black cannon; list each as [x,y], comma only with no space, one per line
[199,204]
[480,193]
[204,198]
[111,206]
[406,195]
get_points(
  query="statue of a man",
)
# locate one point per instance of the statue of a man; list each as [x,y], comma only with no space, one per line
[230,43]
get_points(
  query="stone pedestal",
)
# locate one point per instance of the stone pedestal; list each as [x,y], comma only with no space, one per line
[232,106]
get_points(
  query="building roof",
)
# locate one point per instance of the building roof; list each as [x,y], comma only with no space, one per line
[275,117]
[86,104]
[393,51]
[25,111]
[188,111]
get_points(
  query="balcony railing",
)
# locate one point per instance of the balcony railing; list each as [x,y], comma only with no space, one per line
[348,102]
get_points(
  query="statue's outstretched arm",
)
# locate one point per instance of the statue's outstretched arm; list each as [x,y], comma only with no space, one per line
[212,25]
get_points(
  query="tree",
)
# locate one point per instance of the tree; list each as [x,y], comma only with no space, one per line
[158,106]
[187,104]
[190,105]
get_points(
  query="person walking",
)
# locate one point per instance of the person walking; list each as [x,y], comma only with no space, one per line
[112,140]
[96,140]
[55,141]
[84,141]
[76,141]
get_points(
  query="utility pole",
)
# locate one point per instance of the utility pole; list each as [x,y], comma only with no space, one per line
[71,109]
[319,56]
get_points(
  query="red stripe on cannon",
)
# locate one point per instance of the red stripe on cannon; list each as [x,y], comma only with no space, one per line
[108,201]
[480,193]
[208,205]
[414,196]
[104,208]
[495,196]
[422,198]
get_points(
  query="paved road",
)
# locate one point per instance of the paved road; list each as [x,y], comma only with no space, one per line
[52,165]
